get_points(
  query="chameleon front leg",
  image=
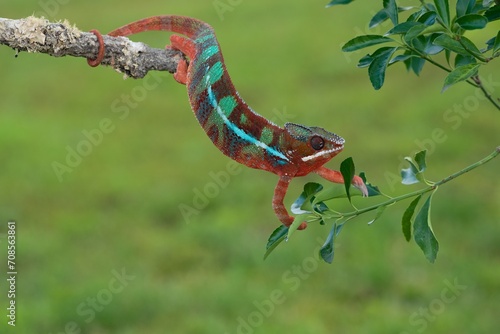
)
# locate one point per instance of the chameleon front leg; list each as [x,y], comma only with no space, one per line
[187,47]
[336,176]
[279,207]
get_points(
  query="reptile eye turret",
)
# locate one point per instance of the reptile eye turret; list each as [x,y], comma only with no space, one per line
[317,143]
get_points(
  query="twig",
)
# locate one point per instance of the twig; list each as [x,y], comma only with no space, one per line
[467,169]
[134,59]
[490,98]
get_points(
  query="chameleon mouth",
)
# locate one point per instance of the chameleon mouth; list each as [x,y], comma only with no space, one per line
[322,153]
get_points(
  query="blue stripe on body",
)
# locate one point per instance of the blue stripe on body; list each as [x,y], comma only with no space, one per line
[233,127]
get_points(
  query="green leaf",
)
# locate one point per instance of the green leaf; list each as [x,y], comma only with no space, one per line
[303,203]
[430,47]
[471,48]
[378,18]
[420,160]
[382,15]
[378,66]
[275,239]
[410,175]
[414,32]
[443,10]
[392,10]
[416,15]
[401,58]
[414,173]
[464,7]
[338,2]
[472,21]
[489,44]
[364,41]
[460,73]
[320,208]
[335,191]
[365,61]
[417,64]
[372,190]
[447,55]
[493,13]
[347,170]
[496,45]
[378,214]
[450,44]
[422,231]
[402,28]
[425,44]
[327,251]
[299,219]
[407,216]
[464,60]
[429,18]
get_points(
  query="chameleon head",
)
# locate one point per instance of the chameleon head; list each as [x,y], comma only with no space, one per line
[311,147]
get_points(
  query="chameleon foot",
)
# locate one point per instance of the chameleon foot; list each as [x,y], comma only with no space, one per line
[279,207]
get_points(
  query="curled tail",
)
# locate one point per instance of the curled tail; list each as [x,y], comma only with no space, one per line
[180,24]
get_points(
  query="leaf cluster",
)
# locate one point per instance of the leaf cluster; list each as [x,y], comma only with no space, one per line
[311,206]
[419,33]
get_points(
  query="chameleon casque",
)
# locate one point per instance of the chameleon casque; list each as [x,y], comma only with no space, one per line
[237,131]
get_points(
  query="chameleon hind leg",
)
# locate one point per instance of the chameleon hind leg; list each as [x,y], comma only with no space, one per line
[279,207]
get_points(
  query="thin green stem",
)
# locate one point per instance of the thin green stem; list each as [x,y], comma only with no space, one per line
[424,190]
[487,94]
[471,167]
[435,63]
[474,81]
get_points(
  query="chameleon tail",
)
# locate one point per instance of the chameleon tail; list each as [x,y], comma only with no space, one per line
[180,24]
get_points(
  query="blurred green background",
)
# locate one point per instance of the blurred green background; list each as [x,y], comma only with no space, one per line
[106,249]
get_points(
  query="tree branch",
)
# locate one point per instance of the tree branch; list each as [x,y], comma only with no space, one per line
[134,59]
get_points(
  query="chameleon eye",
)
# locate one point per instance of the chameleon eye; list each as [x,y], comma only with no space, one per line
[317,143]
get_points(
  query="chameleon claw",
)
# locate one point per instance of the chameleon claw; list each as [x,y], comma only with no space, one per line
[100,53]
[358,183]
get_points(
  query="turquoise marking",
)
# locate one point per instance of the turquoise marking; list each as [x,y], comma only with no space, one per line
[243,119]
[222,114]
[203,39]
[209,52]
[227,104]
[214,74]
[266,136]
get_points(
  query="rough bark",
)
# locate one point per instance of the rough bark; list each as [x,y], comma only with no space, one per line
[134,59]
